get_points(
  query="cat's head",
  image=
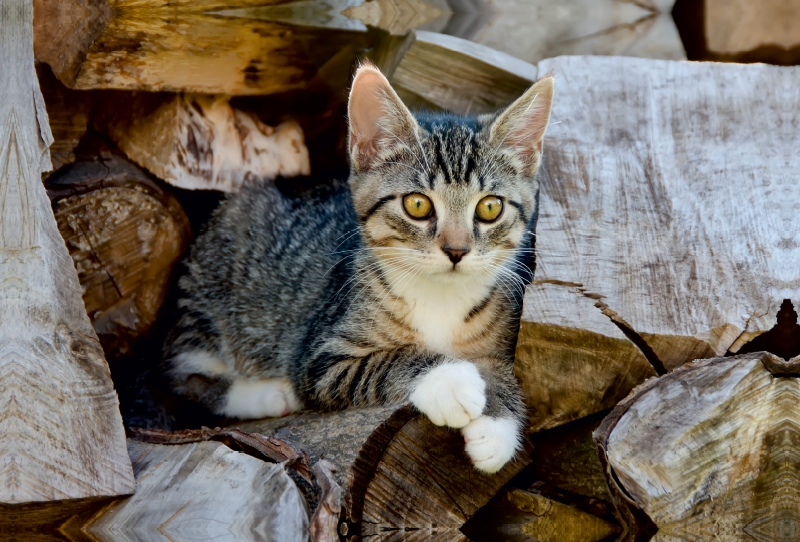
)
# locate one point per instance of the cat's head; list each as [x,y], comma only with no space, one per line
[448,196]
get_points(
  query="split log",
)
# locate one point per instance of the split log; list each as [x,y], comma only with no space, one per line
[125,234]
[436,71]
[522,516]
[734,28]
[537,29]
[402,477]
[234,47]
[709,451]
[203,491]
[61,434]
[201,142]
[673,230]
[68,111]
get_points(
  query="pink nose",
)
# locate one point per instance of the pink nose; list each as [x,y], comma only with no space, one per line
[455,254]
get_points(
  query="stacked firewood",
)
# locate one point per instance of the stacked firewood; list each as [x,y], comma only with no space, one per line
[643,265]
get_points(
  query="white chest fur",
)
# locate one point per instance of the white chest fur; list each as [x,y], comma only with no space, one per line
[438,308]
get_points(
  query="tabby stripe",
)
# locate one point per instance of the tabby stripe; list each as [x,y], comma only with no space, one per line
[362,364]
[440,158]
[518,206]
[378,205]
[480,306]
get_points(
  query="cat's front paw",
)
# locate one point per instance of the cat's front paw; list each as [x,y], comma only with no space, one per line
[451,394]
[491,442]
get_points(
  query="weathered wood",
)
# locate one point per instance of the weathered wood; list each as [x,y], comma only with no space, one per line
[666,207]
[436,71]
[565,458]
[125,234]
[61,434]
[201,142]
[710,450]
[537,29]
[733,27]
[203,491]
[68,111]
[572,362]
[522,516]
[269,448]
[403,478]
[206,46]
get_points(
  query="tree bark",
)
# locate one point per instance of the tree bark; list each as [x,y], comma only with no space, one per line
[402,477]
[61,433]
[125,234]
[709,451]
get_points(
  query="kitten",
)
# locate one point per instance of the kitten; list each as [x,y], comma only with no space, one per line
[402,285]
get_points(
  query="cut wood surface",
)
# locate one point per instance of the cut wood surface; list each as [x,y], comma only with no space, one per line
[61,434]
[522,516]
[437,71]
[125,233]
[710,450]
[537,29]
[737,26]
[201,142]
[203,491]
[402,477]
[667,207]
[205,46]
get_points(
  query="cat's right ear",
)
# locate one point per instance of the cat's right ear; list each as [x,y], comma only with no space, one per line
[379,121]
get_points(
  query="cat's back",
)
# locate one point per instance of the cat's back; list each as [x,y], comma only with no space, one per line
[270,261]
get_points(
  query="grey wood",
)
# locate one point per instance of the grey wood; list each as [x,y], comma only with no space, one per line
[61,434]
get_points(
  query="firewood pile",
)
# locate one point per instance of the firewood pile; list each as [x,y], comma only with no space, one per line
[658,350]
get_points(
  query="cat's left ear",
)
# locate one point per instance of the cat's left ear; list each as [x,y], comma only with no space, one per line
[520,128]
[379,121]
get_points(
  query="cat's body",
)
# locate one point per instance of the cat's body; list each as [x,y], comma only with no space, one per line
[341,297]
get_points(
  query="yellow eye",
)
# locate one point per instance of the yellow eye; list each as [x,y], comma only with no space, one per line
[418,206]
[489,208]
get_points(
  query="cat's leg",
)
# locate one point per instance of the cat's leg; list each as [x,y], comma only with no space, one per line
[264,398]
[204,378]
[480,397]
[493,438]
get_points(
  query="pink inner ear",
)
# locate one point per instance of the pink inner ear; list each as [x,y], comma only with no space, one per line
[366,110]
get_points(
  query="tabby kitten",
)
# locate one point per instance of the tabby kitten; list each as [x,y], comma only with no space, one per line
[401,285]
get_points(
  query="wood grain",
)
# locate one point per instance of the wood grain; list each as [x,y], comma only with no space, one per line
[201,142]
[203,491]
[667,197]
[125,234]
[534,30]
[710,450]
[203,46]
[737,26]
[402,477]
[521,516]
[61,434]
[445,72]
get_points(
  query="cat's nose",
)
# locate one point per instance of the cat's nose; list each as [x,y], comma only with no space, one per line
[455,254]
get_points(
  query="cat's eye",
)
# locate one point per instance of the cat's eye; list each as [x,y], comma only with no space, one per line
[418,206]
[489,209]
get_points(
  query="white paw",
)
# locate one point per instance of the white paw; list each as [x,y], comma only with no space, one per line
[267,398]
[452,394]
[491,442]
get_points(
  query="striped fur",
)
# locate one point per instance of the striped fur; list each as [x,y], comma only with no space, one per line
[336,297]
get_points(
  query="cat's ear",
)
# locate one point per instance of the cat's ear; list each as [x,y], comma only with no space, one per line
[378,119]
[520,128]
